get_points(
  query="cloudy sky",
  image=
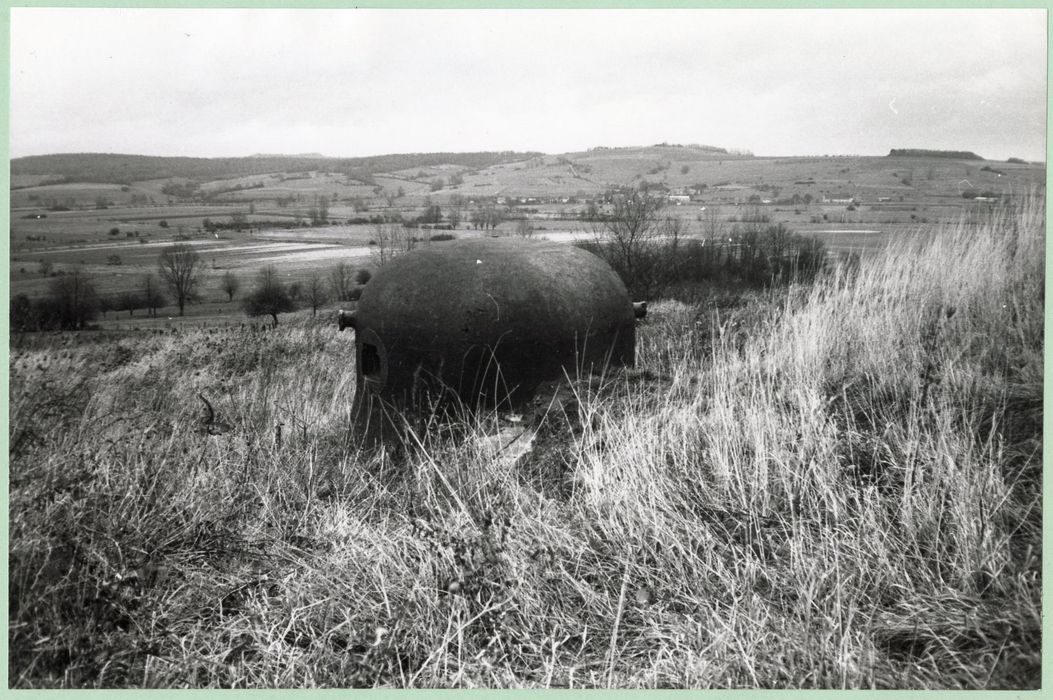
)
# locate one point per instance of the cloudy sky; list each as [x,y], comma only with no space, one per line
[360,82]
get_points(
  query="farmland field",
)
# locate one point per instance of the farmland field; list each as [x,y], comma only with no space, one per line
[114,231]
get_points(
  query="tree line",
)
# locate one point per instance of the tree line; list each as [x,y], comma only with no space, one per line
[650,253]
[73,301]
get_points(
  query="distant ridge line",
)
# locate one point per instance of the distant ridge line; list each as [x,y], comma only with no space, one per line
[927,153]
[284,155]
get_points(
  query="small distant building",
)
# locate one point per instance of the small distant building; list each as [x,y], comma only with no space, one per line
[680,198]
[837,198]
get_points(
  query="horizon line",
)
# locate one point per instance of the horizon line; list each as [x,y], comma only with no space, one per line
[741,153]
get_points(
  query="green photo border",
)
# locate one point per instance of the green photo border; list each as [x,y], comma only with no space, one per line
[5,75]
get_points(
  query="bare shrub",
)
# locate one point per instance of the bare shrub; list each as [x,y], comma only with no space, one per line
[270,296]
[230,284]
[314,293]
[392,240]
[341,281]
[180,267]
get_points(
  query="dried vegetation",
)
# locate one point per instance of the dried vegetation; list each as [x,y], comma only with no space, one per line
[836,485]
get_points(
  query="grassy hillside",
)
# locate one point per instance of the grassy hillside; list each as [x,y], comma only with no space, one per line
[126,169]
[835,486]
[493,173]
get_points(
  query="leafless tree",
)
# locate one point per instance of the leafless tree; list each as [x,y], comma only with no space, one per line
[128,301]
[73,300]
[152,298]
[180,267]
[230,284]
[486,217]
[671,232]
[712,224]
[524,229]
[392,240]
[341,281]
[631,239]
[314,293]
[270,296]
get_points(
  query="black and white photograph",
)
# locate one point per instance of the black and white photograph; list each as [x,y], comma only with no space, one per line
[609,348]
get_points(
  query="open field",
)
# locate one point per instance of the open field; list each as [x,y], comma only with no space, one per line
[119,267]
[243,256]
[827,486]
[62,224]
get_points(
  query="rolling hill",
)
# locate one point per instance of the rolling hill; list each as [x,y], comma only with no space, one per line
[126,169]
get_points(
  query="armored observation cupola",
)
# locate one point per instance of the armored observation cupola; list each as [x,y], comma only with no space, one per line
[481,323]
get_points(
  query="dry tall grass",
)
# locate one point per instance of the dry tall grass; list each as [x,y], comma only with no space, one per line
[835,486]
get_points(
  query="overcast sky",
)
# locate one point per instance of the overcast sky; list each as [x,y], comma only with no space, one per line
[362,82]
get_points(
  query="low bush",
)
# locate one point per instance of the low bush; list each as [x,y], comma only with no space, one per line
[752,256]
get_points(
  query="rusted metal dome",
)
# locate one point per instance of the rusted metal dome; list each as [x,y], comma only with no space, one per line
[481,323]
